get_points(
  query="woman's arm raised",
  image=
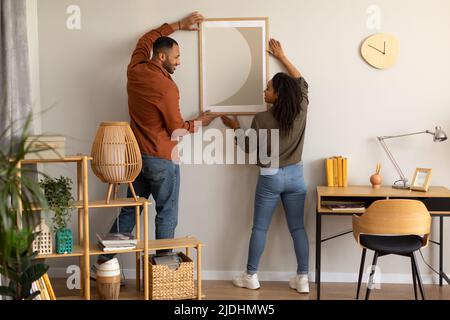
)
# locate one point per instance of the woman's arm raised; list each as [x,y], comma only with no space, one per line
[277,51]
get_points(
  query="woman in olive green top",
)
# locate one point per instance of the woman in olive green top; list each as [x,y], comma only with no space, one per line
[288,94]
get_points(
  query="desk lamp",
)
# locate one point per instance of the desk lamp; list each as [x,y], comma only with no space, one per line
[438,136]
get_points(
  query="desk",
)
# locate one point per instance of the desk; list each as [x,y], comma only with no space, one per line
[437,201]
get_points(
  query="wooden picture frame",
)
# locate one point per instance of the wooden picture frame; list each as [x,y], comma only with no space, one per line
[421,179]
[234,65]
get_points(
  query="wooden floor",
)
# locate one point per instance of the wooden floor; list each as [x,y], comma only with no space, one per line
[224,290]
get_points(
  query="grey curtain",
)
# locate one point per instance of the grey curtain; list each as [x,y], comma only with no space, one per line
[15,95]
[15,103]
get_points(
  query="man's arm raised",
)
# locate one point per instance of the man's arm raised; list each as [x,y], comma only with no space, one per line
[145,44]
[190,23]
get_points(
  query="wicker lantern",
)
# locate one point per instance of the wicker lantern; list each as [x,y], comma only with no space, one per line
[43,244]
[116,156]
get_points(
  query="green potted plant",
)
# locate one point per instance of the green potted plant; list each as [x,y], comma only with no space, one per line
[17,259]
[59,197]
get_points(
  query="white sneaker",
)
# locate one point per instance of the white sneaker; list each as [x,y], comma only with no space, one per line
[246,280]
[300,283]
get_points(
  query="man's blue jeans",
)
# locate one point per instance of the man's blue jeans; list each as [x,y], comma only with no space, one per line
[161,179]
[289,185]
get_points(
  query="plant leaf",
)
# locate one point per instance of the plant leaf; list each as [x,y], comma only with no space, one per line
[7,291]
[33,273]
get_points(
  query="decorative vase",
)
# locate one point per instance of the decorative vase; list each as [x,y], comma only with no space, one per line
[107,277]
[43,243]
[376,179]
[64,241]
[116,156]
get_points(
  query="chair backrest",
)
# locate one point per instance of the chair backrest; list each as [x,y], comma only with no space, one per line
[394,217]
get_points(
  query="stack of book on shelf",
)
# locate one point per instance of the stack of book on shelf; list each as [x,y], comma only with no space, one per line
[44,287]
[117,241]
[336,171]
[344,206]
[172,260]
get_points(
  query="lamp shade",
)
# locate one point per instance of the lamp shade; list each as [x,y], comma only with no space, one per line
[439,135]
[116,157]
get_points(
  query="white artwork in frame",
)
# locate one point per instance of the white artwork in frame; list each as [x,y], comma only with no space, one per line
[233,63]
[421,179]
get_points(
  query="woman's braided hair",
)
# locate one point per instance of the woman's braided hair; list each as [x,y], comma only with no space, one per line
[287,107]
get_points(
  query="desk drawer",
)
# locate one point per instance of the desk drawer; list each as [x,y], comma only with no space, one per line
[367,200]
[434,204]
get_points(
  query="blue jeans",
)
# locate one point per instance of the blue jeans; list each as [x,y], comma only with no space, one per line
[161,179]
[289,185]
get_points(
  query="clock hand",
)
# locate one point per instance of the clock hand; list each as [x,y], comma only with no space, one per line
[376,49]
[384,49]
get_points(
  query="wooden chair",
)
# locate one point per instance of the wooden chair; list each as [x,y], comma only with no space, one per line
[398,227]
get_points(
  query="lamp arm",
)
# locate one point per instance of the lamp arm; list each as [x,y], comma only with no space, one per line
[404,135]
[391,157]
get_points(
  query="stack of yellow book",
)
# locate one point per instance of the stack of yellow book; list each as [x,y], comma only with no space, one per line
[44,287]
[336,171]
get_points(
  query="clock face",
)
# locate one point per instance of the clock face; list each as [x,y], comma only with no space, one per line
[380,50]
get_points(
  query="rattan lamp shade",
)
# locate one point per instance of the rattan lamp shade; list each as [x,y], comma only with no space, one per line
[116,157]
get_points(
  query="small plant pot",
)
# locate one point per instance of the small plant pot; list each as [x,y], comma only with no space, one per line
[375,180]
[64,241]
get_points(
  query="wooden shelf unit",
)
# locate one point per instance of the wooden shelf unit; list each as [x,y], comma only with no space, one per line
[117,203]
[84,250]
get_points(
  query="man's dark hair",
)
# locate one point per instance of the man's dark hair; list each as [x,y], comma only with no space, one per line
[162,44]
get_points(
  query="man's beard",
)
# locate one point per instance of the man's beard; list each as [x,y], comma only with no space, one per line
[168,67]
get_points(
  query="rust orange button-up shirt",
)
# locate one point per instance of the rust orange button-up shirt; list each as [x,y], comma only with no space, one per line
[153,100]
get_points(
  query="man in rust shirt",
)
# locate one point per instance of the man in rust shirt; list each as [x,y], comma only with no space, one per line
[153,101]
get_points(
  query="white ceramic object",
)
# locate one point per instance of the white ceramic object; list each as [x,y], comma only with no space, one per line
[109,268]
[108,280]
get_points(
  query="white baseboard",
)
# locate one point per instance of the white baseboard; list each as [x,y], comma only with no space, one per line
[333,277]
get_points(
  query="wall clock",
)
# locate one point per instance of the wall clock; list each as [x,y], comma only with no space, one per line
[380,50]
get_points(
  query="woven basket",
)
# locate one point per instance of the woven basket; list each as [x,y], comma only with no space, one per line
[168,284]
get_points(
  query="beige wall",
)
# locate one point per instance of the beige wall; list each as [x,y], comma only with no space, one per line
[83,79]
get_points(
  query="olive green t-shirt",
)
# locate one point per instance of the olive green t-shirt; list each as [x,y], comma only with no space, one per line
[290,146]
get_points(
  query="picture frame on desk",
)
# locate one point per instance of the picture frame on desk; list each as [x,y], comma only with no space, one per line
[421,179]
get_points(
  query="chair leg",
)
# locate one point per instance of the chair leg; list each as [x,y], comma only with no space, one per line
[372,273]
[413,271]
[419,279]
[361,269]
